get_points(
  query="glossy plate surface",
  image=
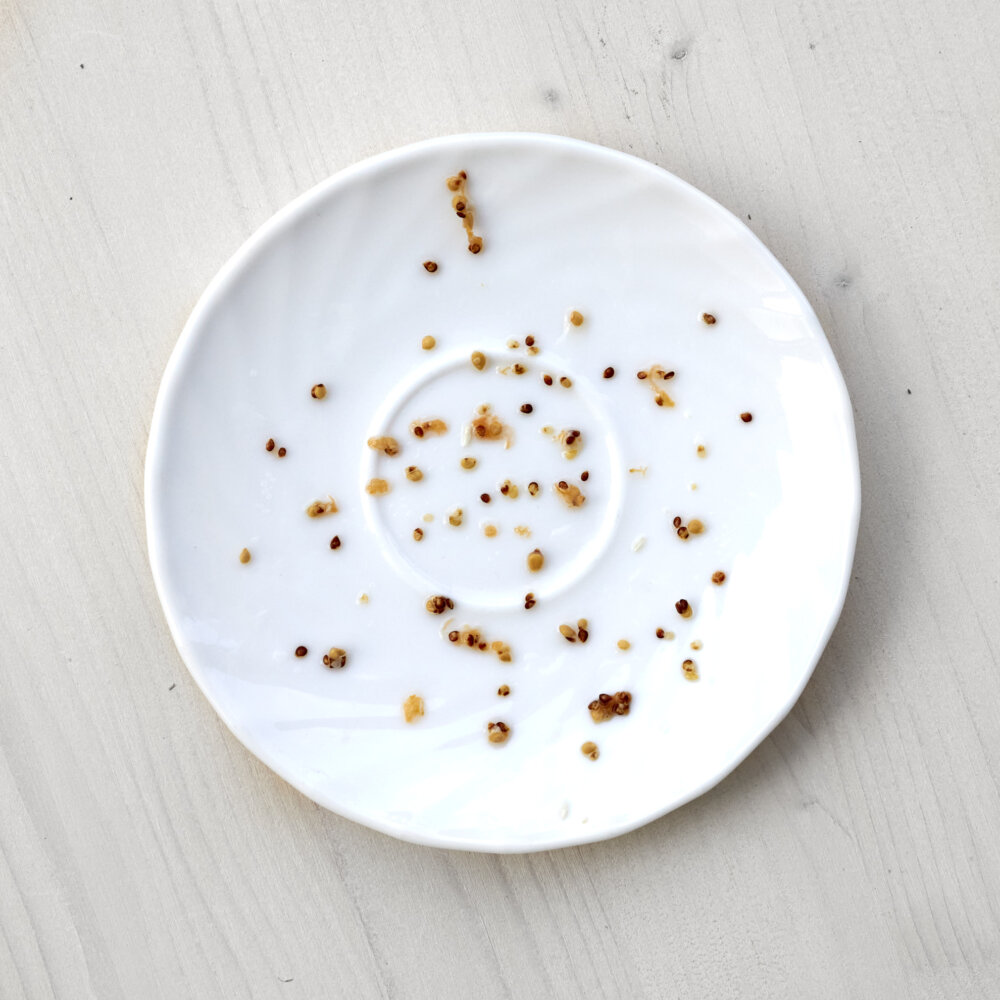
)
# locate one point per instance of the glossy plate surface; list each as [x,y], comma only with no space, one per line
[333,290]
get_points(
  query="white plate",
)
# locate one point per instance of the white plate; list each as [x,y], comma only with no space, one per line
[332,290]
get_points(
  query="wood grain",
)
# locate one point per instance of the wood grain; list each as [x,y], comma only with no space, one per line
[144,853]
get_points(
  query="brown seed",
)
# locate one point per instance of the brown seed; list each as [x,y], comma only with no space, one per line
[497,732]
[683,608]
[503,690]
[718,577]
[282,452]
[418,432]
[455,517]
[565,382]
[624,644]
[584,476]
[535,560]
[453,635]
[300,651]
[485,497]
[335,658]
[413,708]
[418,534]
[582,634]
[533,489]
[690,669]
[318,391]
[677,522]
[478,360]
[439,604]
[682,533]
[642,375]
[609,372]
[335,542]
[468,462]
[414,474]
[430,266]
[245,556]
[576,318]
[568,633]
[529,341]
[377,487]
[526,407]
[475,244]
[547,379]
[269,445]
[590,750]
[428,343]
[708,319]
[695,526]
[660,633]
[746,417]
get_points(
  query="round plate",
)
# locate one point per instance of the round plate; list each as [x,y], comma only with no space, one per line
[334,290]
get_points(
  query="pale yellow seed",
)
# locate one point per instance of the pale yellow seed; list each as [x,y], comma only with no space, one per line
[669,635]
[513,344]
[690,670]
[565,382]
[567,632]
[414,474]
[535,561]
[387,445]
[624,644]
[362,599]
[418,534]
[468,462]
[413,708]
[590,750]
[478,360]
[377,487]
[695,526]
[245,556]
[428,518]
[702,451]
[696,644]
[318,391]
[455,517]
[428,343]
[490,530]
[523,530]
[576,318]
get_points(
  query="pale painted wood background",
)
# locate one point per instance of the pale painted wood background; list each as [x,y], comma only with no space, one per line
[144,853]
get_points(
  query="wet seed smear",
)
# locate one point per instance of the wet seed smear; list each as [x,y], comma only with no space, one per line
[464,209]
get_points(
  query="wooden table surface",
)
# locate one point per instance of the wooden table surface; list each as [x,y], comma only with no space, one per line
[144,853]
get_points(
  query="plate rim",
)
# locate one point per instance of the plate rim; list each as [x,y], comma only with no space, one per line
[168,386]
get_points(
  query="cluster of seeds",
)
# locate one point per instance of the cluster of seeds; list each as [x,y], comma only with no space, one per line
[578,634]
[663,634]
[684,531]
[529,601]
[335,658]
[683,608]
[503,691]
[657,379]
[269,446]
[509,490]
[690,670]
[487,426]
[455,517]
[515,369]
[463,209]
[606,706]
[473,639]
[570,494]
[421,428]
[439,604]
